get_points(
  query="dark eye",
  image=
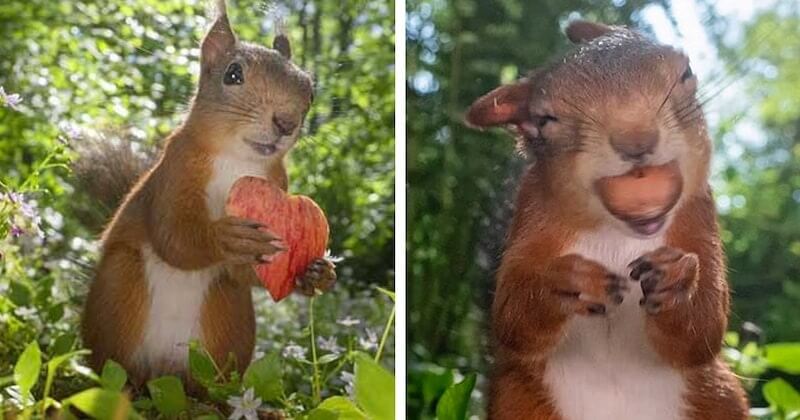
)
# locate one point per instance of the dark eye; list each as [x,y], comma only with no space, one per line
[687,74]
[234,75]
[544,120]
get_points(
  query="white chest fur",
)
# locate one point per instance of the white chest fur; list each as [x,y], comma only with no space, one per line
[173,320]
[604,368]
[176,296]
[226,170]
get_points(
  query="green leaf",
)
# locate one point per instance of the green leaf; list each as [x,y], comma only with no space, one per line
[62,344]
[200,365]
[265,376]
[455,401]
[26,371]
[330,357]
[374,387]
[781,395]
[167,395]
[113,376]
[322,414]
[784,356]
[143,404]
[102,404]
[54,364]
[343,407]
[386,292]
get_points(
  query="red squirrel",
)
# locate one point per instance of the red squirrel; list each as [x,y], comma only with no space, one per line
[611,299]
[174,267]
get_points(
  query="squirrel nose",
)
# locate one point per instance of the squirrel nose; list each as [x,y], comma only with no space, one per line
[285,125]
[634,146]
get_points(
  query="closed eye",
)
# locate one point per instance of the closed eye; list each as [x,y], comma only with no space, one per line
[687,74]
[543,120]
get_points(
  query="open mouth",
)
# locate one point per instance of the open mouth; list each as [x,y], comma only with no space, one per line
[264,149]
[649,226]
[643,196]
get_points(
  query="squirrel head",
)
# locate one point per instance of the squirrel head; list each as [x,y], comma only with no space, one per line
[615,103]
[251,100]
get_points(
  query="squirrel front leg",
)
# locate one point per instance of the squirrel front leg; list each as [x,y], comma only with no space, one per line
[531,305]
[686,297]
[183,235]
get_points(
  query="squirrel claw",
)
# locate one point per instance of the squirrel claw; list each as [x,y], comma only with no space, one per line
[319,277]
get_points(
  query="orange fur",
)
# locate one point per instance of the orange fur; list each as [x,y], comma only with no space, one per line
[168,230]
[572,122]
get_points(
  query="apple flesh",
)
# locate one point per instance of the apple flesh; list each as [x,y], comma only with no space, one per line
[296,219]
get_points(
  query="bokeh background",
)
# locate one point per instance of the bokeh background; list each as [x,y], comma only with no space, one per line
[124,71]
[747,57]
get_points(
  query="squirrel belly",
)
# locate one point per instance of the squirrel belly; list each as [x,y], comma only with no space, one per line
[142,311]
[604,368]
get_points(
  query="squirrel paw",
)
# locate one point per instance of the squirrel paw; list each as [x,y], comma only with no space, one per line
[242,241]
[319,277]
[668,277]
[585,286]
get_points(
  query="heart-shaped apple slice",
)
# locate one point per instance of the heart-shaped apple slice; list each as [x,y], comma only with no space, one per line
[296,219]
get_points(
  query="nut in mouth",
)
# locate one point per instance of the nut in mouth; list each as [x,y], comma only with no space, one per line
[642,197]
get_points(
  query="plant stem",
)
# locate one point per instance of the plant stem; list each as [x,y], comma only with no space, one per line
[385,334]
[315,385]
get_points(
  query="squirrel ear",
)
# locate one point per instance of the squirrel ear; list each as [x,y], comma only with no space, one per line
[281,44]
[219,39]
[505,105]
[581,31]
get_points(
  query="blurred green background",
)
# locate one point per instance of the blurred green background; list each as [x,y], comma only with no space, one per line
[747,57]
[124,69]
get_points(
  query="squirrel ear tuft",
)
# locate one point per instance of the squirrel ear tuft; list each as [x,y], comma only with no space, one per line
[219,39]
[506,104]
[281,44]
[582,31]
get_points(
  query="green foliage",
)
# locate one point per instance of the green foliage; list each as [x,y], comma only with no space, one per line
[265,377]
[455,401]
[753,363]
[113,376]
[167,395]
[26,371]
[374,388]
[102,404]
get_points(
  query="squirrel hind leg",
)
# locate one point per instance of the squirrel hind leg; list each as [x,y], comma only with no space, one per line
[227,322]
[114,315]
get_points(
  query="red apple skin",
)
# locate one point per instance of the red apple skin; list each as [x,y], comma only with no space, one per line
[296,219]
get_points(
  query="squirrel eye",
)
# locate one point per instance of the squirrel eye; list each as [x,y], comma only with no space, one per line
[234,75]
[687,74]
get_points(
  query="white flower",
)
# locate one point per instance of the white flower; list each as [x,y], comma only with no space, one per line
[370,342]
[348,378]
[293,351]
[245,406]
[10,100]
[333,258]
[330,345]
[72,130]
[348,321]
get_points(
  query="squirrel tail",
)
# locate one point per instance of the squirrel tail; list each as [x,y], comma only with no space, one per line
[104,171]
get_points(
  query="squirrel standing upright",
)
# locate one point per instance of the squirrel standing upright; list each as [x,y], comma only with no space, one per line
[174,267]
[617,194]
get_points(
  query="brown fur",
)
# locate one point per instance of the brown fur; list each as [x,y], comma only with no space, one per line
[590,137]
[167,208]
